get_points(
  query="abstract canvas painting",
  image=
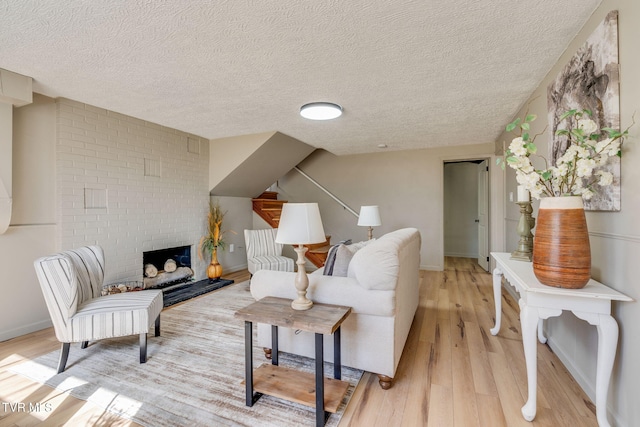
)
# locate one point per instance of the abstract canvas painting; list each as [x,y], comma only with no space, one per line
[590,81]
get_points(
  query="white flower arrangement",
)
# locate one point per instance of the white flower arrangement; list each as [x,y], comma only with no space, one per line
[578,170]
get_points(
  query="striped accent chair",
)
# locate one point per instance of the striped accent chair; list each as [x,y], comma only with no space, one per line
[71,282]
[263,253]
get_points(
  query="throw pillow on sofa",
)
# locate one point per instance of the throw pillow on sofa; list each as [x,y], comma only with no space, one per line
[331,257]
[340,256]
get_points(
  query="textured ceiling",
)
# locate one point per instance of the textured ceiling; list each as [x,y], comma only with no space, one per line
[409,74]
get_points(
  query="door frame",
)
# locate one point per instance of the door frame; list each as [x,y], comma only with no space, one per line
[496,202]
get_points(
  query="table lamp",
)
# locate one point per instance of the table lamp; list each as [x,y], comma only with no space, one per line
[369,217]
[300,224]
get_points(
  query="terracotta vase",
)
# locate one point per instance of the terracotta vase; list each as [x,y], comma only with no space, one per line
[561,250]
[214,270]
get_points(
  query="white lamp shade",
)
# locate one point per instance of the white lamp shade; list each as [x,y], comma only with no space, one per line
[300,223]
[369,216]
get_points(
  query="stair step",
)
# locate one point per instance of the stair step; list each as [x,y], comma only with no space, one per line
[271,195]
[321,244]
[269,208]
[320,250]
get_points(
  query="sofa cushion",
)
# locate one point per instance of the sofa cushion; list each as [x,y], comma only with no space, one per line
[376,265]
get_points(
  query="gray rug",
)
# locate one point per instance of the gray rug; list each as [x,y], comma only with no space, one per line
[194,372]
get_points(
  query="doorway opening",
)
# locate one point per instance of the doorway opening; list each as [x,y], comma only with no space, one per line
[466,210]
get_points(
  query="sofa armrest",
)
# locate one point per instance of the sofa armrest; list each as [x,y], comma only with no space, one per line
[325,289]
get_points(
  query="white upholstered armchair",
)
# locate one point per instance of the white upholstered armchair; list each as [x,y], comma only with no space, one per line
[71,282]
[263,253]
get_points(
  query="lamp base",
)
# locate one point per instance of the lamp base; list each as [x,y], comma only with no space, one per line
[301,304]
[301,282]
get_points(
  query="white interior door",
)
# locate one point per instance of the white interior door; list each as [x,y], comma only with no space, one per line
[483,215]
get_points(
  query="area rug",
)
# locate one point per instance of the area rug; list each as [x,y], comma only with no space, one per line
[193,376]
[185,292]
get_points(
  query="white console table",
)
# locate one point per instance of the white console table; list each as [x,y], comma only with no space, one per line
[538,302]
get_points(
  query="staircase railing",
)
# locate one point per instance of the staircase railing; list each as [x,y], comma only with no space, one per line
[313,181]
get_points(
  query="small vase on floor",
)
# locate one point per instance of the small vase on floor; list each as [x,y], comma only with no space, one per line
[214,270]
[561,250]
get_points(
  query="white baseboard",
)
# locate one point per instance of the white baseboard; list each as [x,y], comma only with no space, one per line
[23,330]
[235,268]
[431,267]
[460,255]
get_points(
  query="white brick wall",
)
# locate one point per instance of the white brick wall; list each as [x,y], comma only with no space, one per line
[101,155]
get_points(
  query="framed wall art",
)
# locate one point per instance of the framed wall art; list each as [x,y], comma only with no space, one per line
[590,81]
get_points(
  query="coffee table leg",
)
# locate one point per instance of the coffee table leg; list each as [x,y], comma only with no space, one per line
[320,414]
[248,361]
[274,345]
[248,364]
[337,363]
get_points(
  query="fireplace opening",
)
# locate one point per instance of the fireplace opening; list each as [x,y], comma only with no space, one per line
[167,267]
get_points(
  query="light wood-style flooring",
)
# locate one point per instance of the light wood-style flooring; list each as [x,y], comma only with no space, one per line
[453,372]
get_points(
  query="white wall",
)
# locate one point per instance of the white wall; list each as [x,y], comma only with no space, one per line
[406,185]
[238,217]
[461,209]
[614,236]
[154,181]
[31,233]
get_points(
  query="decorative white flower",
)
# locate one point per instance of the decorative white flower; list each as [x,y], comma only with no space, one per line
[573,173]
[600,145]
[588,126]
[587,194]
[529,180]
[536,191]
[561,170]
[517,147]
[613,148]
[583,152]
[584,167]
[522,164]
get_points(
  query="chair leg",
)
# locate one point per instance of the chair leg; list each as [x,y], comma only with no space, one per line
[158,326]
[64,355]
[84,344]
[143,348]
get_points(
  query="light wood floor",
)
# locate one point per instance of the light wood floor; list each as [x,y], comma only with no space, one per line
[453,372]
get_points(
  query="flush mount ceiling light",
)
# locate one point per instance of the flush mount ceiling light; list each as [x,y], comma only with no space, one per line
[321,111]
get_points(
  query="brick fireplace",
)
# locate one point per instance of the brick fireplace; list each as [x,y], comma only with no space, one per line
[129,186]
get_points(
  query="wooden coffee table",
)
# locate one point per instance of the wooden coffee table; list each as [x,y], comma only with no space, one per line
[325,394]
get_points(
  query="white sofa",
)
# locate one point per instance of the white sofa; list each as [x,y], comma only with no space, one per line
[381,286]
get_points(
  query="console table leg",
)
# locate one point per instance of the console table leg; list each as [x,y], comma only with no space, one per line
[607,329]
[607,340]
[529,323]
[497,299]
[541,337]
